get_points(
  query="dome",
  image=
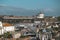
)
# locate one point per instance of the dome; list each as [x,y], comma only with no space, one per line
[40,15]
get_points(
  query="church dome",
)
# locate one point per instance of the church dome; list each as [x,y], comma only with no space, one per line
[40,15]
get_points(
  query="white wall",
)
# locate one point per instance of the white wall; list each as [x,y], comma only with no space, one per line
[55,25]
[1,31]
[9,28]
[40,16]
[1,24]
[17,35]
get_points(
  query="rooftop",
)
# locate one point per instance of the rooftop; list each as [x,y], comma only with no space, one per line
[18,17]
[7,24]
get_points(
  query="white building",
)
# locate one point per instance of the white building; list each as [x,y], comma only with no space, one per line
[1,28]
[41,15]
[55,26]
[1,31]
[17,35]
[9,28]
[6,27]
[1,24]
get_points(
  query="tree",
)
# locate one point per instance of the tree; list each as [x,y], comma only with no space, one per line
[7,35]
[58,18]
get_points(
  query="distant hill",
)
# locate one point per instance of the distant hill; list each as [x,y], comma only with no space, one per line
[6,10]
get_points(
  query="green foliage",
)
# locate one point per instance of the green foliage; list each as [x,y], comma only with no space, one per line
[23,36]
[1,36]
[7,35]
[58,18]
[55,28]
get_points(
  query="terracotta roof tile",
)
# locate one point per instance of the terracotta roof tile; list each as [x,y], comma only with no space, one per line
[6,24]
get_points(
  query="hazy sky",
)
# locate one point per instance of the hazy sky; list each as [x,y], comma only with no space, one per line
[32,4]
[50,7]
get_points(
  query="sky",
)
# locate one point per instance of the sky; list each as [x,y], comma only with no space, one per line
[32,4]
[46,5]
